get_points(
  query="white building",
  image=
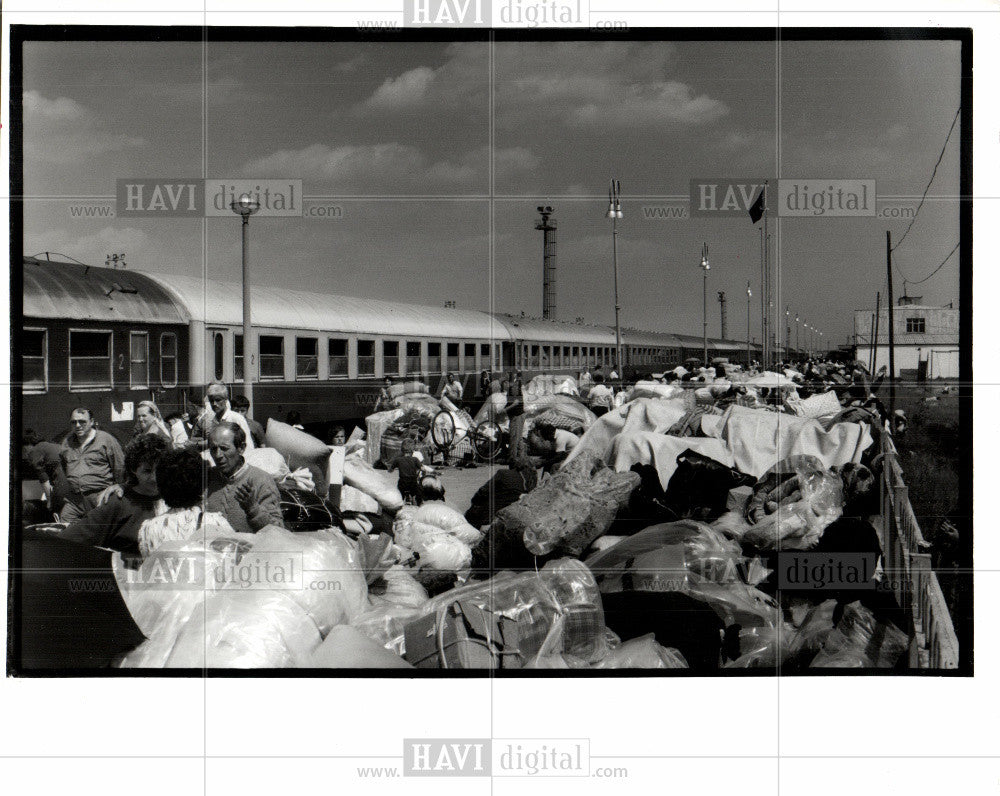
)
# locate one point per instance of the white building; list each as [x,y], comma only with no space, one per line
[926,339]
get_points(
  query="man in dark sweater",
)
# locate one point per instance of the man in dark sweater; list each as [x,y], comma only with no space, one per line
[115,523]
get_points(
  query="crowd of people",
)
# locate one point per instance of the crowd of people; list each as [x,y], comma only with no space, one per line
[174,476]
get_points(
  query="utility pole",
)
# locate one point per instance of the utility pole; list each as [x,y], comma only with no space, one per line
[722,304]
[892,334]
[878,318]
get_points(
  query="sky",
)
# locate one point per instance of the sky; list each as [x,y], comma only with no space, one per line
[397,135]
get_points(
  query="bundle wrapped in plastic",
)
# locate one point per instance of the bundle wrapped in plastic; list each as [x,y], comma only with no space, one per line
[348,648]
[642,653]
[445,549]
[569,510]
[567,408]
[397,586]
[269,460]
[763,647]
[352,499]
[447,518]
[301,450]
[800,524]
[377,424]
[320,570]
[361,475]
[385,624]
[653,389]
[690,558]
[175,577]
[246,630]
[417,405]
[860,640]
[506,621]
[408,388]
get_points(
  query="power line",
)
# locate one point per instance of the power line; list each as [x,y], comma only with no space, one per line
[945,260]
[933,174]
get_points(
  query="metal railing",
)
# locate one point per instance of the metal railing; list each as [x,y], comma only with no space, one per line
[908,566]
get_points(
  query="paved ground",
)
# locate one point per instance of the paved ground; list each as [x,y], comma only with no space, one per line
[461,484]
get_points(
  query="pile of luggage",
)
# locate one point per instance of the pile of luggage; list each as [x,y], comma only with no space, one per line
[663,541]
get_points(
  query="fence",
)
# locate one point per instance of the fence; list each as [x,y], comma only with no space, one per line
[908,565]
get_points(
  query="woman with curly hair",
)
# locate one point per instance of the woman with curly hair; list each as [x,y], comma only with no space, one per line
[115,522]
[181,477]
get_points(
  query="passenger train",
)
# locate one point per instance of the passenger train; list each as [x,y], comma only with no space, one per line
[106,338]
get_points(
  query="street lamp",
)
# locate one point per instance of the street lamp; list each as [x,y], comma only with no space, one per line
[749,294]
[704,301]
[797,350]
[246,207]
[614,213]
[788,333]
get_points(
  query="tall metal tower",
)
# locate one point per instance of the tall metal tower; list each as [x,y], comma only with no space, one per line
[722,305]
[548,227]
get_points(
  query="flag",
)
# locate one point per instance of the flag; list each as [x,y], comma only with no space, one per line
[757,208]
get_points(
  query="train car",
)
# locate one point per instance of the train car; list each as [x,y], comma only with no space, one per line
[556,347]
[99,338]
[649,352]
[106,339]
[326,356]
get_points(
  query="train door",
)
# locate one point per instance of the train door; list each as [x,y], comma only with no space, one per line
[215,355]
[507,355]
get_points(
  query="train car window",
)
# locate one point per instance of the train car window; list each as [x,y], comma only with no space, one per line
[272,357]
[138,360]
[453,357]
[90,360]
[366,357]
[575,361]
[413,364]
[565,356]
[306,357]
[35,358]
[390,357]
[533,362]
[168,359]
[484,354]
[238,357]
[470,357]
[434,357]
[338,357]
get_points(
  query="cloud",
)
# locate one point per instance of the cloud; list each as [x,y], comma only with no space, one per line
[405,91]
[62,130]
[576,84]
[389,167]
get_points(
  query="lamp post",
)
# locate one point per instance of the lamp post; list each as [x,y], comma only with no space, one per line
[788,334]
[246,207]
[614,213]
[704,301]
[749,294]
[797,351]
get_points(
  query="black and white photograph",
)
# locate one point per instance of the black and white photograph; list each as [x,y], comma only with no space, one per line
[563,355]
[481,349]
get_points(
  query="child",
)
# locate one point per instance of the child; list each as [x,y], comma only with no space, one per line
[409,468]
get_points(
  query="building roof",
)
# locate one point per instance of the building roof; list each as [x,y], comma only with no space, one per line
[69,290]
[280,308]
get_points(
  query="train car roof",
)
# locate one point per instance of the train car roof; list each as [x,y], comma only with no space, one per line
[70,290]
[547,331]
[275,307]
[644,338]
